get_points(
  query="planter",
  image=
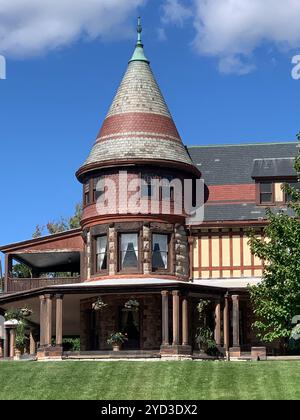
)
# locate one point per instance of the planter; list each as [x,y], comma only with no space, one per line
[17,355]
[116,347]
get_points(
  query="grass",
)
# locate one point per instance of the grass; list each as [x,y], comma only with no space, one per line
[149,380]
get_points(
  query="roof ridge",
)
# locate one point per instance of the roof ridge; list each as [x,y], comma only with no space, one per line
[245,144]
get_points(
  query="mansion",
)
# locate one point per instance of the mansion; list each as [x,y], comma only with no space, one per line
[149,269]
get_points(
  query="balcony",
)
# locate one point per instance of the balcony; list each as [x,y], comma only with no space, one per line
[15,285]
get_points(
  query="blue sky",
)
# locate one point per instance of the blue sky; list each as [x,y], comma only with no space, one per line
[55,98]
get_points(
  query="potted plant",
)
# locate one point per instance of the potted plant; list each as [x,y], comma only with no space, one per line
[99,305]
[116,340]
[132,305]
[18,317]
[204,335]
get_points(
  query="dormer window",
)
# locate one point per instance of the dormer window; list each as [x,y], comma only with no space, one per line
[266,193]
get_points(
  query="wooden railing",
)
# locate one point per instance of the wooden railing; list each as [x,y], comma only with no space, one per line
[22,285]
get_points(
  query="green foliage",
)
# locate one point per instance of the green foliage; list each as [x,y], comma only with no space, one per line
[204,335]
[20,315]
[276,300]
[117,338]
[71,344]
[61,225]
[21,271]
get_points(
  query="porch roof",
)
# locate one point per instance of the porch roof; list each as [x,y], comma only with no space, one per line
[240,283]
[137,285]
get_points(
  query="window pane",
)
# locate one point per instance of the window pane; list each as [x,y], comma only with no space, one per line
[129,250]
[266,187]
[101,252]
[159,251]
[266,198]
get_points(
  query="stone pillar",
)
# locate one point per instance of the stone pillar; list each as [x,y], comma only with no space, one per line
[185,322]
[235,351]
[112,250]
[12,346]
[176,317]
[48,320]
[6,343]
[165,318]
[32,343]
[59,320]
[146,257]
[42,320]
[217,331]
[226,324]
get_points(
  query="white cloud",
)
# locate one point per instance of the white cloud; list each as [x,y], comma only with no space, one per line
[232,30]
[30,27]
[174,11]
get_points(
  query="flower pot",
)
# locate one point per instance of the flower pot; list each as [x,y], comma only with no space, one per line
[17,354]
[116,347]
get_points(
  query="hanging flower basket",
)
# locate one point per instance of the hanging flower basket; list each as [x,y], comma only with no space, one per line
[132,305]
[99,305]
[25,312]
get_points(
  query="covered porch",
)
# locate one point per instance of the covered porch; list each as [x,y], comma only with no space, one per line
[164,325]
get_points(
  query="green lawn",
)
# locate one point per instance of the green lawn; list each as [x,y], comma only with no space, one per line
[149,380]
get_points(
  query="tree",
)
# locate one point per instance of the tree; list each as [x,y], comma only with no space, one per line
[61,225]
[276,300]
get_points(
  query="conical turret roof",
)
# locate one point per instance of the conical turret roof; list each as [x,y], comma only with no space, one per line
[138,127]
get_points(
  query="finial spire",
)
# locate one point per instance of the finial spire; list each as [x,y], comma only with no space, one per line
[139,30]
[139,54]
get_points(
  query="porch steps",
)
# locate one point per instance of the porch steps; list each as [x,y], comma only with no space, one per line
[105,355]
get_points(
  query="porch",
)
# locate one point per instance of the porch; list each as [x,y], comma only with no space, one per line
[164,325]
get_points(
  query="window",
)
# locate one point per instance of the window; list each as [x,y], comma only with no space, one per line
[147,189]
[266,193]
[101,253]
[160,250]
[129,251]
[98,189]
[86,194]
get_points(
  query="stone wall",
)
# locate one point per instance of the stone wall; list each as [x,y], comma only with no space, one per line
[181,252]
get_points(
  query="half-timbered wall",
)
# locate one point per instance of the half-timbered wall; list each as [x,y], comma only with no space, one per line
[225,253]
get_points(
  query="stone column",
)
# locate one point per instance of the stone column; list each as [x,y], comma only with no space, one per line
[42,321]
[59,320]
[48,320]
[32,343]
[165,318]
[217,332]
[226,324]
[12,342]
[185,322]
[176,317]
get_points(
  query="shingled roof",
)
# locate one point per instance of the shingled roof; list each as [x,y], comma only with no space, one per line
[229,172]
[138,126]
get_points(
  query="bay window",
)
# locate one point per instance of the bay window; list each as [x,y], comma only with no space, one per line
[129,251]
[101,253]
[160,251]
